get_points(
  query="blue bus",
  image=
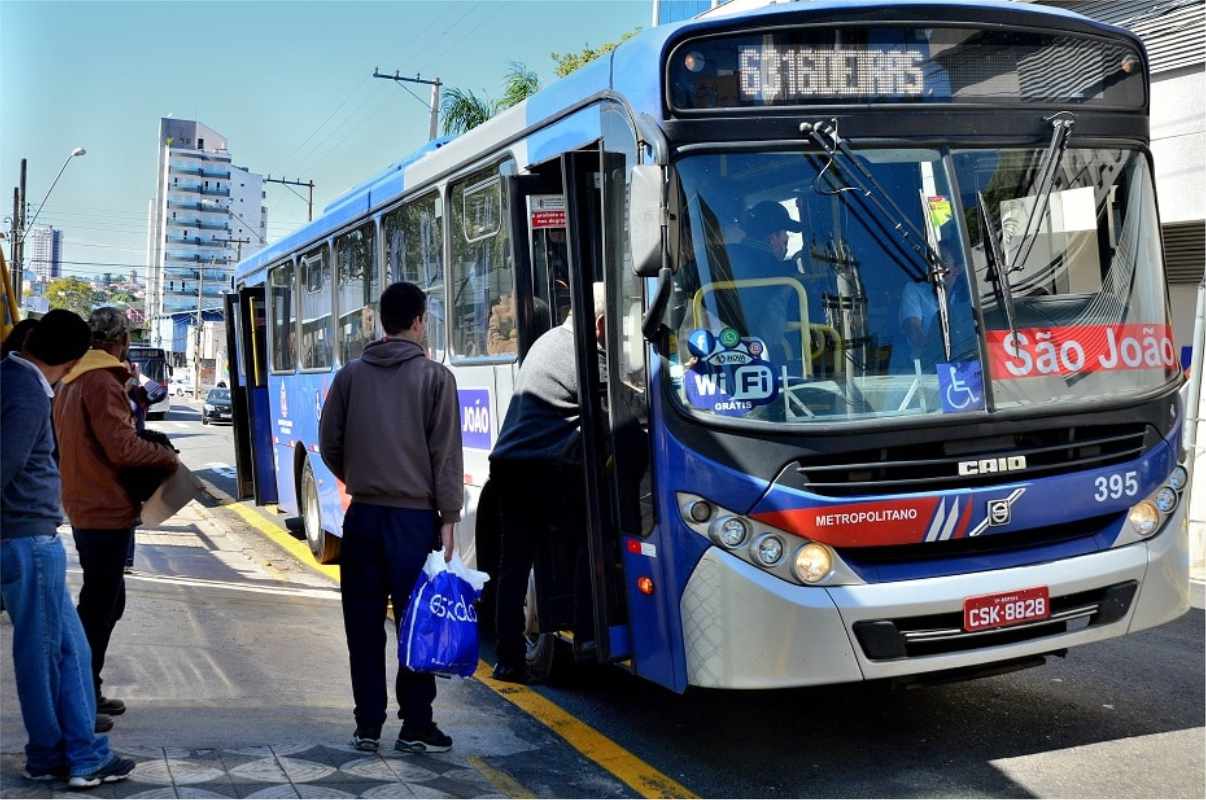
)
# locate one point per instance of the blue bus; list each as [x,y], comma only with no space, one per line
[889,385]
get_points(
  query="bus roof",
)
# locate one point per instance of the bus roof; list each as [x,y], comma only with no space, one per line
[626,70]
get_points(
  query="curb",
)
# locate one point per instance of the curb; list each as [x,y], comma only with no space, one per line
[283,540]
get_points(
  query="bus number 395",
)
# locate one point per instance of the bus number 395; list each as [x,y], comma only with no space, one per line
[1115,486]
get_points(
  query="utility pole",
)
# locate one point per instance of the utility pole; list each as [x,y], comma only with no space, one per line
[434,106]
[306,184]
[238,243]
[19,256]
[197,343]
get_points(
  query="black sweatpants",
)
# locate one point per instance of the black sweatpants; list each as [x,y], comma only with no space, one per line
[103,597]
[382,555]
[536,499]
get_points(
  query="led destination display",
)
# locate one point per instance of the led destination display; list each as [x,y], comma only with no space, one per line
[824,65]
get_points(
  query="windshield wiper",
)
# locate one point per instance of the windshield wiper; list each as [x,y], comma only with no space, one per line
[1053,156]
[997,271]
[825,134]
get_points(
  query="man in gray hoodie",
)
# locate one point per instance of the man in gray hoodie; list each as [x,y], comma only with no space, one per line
[391,431]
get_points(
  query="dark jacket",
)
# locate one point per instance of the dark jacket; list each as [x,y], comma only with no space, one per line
[98,445]
[391,430]
[542,421]
[29,493]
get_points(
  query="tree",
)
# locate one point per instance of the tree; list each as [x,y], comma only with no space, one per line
[72,294]
[568,62]
[519,84]
[463,110]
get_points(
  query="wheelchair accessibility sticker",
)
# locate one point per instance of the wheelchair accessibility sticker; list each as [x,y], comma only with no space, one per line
[960,386]
[729,375]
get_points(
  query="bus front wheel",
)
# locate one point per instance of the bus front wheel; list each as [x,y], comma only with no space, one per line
[323,545]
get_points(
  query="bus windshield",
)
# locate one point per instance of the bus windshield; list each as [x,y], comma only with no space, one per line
[151,363]
[801,298]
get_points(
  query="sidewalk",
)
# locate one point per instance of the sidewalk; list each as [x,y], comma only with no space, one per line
[232,661]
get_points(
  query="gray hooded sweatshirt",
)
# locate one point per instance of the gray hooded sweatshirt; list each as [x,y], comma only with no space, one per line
[391,430]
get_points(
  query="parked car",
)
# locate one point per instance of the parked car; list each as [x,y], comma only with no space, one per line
[181,385]
[217,407]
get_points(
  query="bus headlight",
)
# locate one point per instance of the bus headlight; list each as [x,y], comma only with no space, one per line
[813,563]
[1178,478]
[730,532]
[1144,518]
[785,554]
[700,511]
[768,550]
[1165,500]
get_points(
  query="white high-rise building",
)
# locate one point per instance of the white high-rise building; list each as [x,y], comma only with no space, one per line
[45,248]
[203,205]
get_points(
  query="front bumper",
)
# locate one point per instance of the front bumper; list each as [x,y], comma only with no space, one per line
[745,629]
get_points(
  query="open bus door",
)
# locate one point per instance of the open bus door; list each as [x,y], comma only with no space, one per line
[252,418]
[582,179]
[244,484]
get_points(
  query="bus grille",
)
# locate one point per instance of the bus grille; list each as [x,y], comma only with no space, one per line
[934,466]
[938,634]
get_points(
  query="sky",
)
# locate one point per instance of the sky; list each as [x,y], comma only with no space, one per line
[288,84]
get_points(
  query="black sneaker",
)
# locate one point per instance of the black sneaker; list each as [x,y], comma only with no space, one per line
[110,705]
[366,744]
[118,769]
[432,740]
[510,673]
[104,723]
[52,774]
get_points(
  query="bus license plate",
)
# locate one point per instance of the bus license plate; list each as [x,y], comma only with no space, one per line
[1008,608]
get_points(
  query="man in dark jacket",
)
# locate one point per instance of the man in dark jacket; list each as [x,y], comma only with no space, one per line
[51,659]
[391,432]
[536,469]
[98,447]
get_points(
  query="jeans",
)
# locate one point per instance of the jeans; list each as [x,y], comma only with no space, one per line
[103,598]
[50,659]
[382,555]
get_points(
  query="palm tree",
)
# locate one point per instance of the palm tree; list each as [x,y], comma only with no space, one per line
[519,84]
[463,110]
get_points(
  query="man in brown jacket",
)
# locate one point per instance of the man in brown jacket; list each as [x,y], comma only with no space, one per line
[391,431]
[97,443]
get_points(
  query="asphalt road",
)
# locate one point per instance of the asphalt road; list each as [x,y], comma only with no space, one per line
[1121,718]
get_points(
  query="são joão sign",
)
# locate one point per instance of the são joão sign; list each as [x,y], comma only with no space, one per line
[729,374]
[475,418]
[1078,349]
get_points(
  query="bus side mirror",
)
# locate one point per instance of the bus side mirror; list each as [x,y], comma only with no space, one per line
[645,219]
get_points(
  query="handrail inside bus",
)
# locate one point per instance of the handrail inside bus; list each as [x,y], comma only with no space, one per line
[756,283]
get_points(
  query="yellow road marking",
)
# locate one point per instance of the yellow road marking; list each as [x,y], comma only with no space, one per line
[644,779]
[499,779]
[282,538]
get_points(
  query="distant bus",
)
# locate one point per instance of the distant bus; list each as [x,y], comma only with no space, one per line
[890,386]
[152,364]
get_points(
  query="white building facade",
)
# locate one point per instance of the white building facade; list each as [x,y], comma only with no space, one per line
[205,210]
[44,245]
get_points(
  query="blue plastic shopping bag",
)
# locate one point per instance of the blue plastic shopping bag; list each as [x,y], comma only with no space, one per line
[439,631]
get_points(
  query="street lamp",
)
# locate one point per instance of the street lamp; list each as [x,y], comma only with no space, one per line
[79,151]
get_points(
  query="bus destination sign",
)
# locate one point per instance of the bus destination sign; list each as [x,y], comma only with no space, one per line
[901,64]
[768,73]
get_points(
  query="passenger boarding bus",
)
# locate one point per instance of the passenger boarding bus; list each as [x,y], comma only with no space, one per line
[889,389]
[152,365]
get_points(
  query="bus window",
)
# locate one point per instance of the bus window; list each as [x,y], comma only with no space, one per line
[284,319]
[316,332]
[483,277]
[414,252]
[356,281]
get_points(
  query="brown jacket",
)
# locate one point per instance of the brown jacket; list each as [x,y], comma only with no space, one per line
[391,430]
[97,441]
